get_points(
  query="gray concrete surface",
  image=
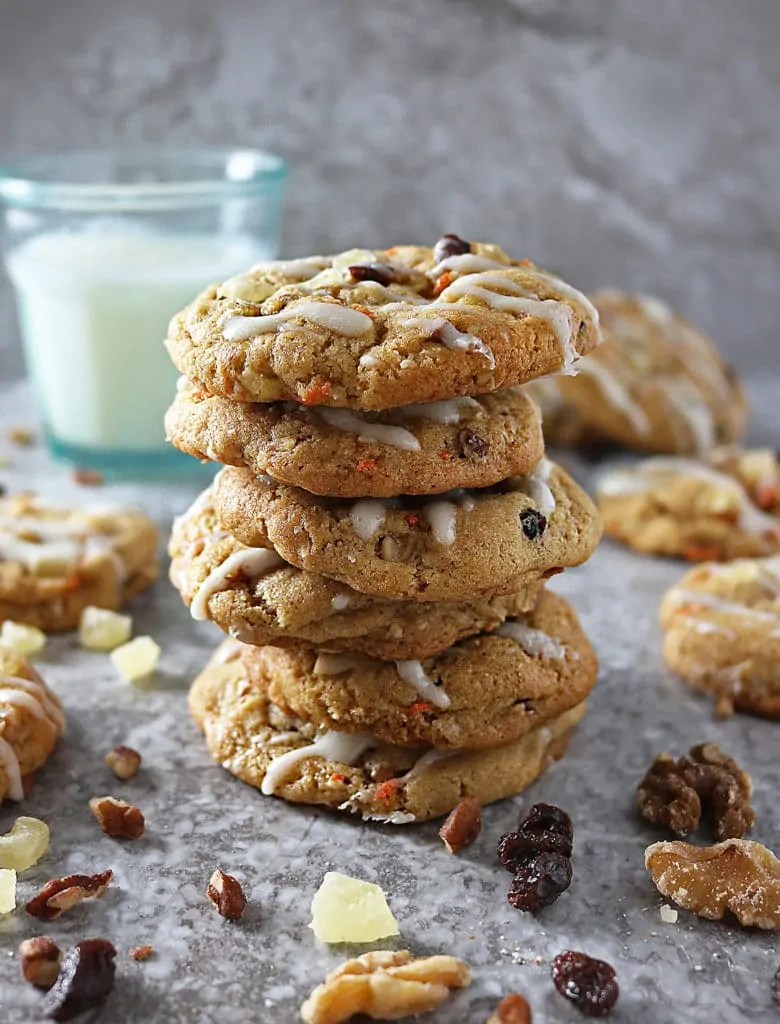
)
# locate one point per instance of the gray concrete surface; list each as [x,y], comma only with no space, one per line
[620,141]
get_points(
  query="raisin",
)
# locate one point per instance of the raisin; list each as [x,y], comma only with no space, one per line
[85,980]
[540,881]
[539,855]
[382,273]
[588,983]
[468,441]
[533,523]
[450,245]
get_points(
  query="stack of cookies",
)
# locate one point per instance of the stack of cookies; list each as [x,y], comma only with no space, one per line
[377,544]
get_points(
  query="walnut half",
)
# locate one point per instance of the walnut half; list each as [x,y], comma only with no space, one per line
[737,875]
[386,986]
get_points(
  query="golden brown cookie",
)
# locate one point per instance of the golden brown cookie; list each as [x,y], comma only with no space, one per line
[487,690]
[722,507]
[256,597]
[31,722]
[656,384]
[354,772]
[373,330]
[450,548]
[722,625]
[55,561]
[417,449]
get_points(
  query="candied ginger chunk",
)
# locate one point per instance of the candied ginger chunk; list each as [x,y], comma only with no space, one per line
[103,630]
[25,640]
[25,844]
[7,890]
[346,909]
[137,659]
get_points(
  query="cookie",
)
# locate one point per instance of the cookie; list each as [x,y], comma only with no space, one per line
[373,330]
[55,561]
[31,722]
[722,507]
[452,548]
[487,690]
[722,625]
[418,449]
[354,772]
[656,384]
[258,598]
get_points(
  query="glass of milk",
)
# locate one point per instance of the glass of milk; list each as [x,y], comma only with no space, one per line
[102,248]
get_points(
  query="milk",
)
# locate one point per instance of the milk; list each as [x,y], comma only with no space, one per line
[94,308]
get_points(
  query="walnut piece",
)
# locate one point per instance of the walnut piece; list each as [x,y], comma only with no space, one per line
[226,894]
[674,793]
[513,1009]
[60,894]
[39,959]
[124,762]
[385,985]
[117,818]
[141,952]
[737,875]
[463,824]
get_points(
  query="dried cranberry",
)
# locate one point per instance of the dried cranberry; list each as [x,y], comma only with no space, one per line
[382,273]
[540,881]
[588,983]
[85,980]
[533,523]
[469,441]
[548,818]
[450,245]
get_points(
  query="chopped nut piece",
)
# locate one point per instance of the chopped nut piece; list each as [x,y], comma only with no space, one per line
[25,844]
[226,894]
[668,914]
[673,793]
[736,875]
[22,436]
[141,952]
[137,659]
[346,909]
[103,630]
[7,890]
[124,762]
[39,959]
[385,984]
[117,818]
[25,640]
[60,894]
[85,980]
[463,824]
[513,1009]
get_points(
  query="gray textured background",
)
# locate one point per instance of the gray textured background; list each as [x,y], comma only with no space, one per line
[622,142]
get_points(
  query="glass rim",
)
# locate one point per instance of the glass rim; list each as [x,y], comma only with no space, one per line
[254,171]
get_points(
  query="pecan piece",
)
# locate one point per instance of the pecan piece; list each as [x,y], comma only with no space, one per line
[386,984]
[39,959]
[124,762]
[226,894]
[737,875]
[470,442]
[60,894]
[117,818]
[675,792]
[462,825]
[85,980]
[450,245]
[513,1009]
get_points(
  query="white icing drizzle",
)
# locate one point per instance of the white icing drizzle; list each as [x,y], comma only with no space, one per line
[535,485]
[425,761]
[451,337]
[344,320]
[394,818]
[572,293]
[336,664]
[682,596]
[447,412]
[441,514]
[10,763]
[466,263]
[45,706]
[64,543]
[367,516]
[253,562]
[616,393]
[351,422]
[301,269]
[557,314]
[228,651]
[533,641]
[340,601]
[340,747]
[689,405]
[645,476]
[369,359]
[412,672]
